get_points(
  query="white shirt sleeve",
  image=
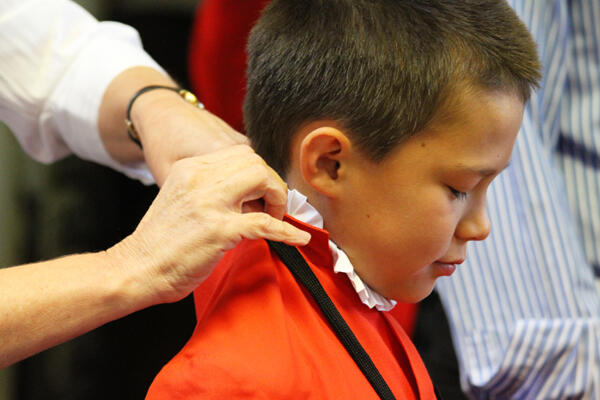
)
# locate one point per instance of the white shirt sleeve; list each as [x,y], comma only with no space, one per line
[56,63]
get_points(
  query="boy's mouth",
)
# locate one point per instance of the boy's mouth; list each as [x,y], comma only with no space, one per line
[445,268]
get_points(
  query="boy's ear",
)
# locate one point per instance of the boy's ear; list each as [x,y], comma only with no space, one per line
[323,155]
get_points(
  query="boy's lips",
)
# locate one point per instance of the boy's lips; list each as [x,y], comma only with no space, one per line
[447,268]
[444,269]
[454,262]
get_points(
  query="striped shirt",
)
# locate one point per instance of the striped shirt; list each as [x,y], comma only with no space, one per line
[524,310]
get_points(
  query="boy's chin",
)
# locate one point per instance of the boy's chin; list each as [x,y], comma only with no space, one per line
[412,295]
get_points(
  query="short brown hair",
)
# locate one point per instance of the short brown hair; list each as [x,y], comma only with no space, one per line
[381,68]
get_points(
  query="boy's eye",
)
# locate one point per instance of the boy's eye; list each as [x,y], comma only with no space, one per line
[457,193]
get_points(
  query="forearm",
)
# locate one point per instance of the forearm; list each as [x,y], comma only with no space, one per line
[112,112]
[47,303]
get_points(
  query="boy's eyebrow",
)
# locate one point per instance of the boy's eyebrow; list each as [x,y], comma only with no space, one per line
[484,172]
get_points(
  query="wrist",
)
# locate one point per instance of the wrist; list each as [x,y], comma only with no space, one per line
[112,112]
[143,107]
[150,103]
[130,287]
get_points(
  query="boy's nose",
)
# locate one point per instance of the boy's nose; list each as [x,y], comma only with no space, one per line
[475,225]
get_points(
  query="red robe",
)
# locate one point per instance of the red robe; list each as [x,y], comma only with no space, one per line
[260,335]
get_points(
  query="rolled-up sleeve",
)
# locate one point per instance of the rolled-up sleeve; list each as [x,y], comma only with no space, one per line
[57,61]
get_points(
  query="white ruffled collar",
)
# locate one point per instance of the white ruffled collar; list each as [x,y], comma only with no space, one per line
[299,208]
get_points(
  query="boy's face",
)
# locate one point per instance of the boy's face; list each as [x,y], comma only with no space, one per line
[405,221]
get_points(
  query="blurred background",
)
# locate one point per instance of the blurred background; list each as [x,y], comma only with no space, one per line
[74,206]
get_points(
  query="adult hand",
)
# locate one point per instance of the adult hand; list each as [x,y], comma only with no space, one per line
[199,214]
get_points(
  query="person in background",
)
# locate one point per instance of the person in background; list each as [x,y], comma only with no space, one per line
[58,96]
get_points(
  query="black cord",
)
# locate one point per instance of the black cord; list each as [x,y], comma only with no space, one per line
[292,258]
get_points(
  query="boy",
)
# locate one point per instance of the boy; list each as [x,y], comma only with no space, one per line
[392,118]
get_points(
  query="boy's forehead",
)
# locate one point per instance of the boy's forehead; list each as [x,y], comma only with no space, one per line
[482,117]
[465,103]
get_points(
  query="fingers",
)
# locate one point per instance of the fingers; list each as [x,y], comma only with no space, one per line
[249,178]
[276,201]
[239,180]
[263,226]
[257,182]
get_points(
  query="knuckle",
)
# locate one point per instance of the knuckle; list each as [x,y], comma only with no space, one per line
[258,172]
[263,221]
[255,158]
[271,225]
